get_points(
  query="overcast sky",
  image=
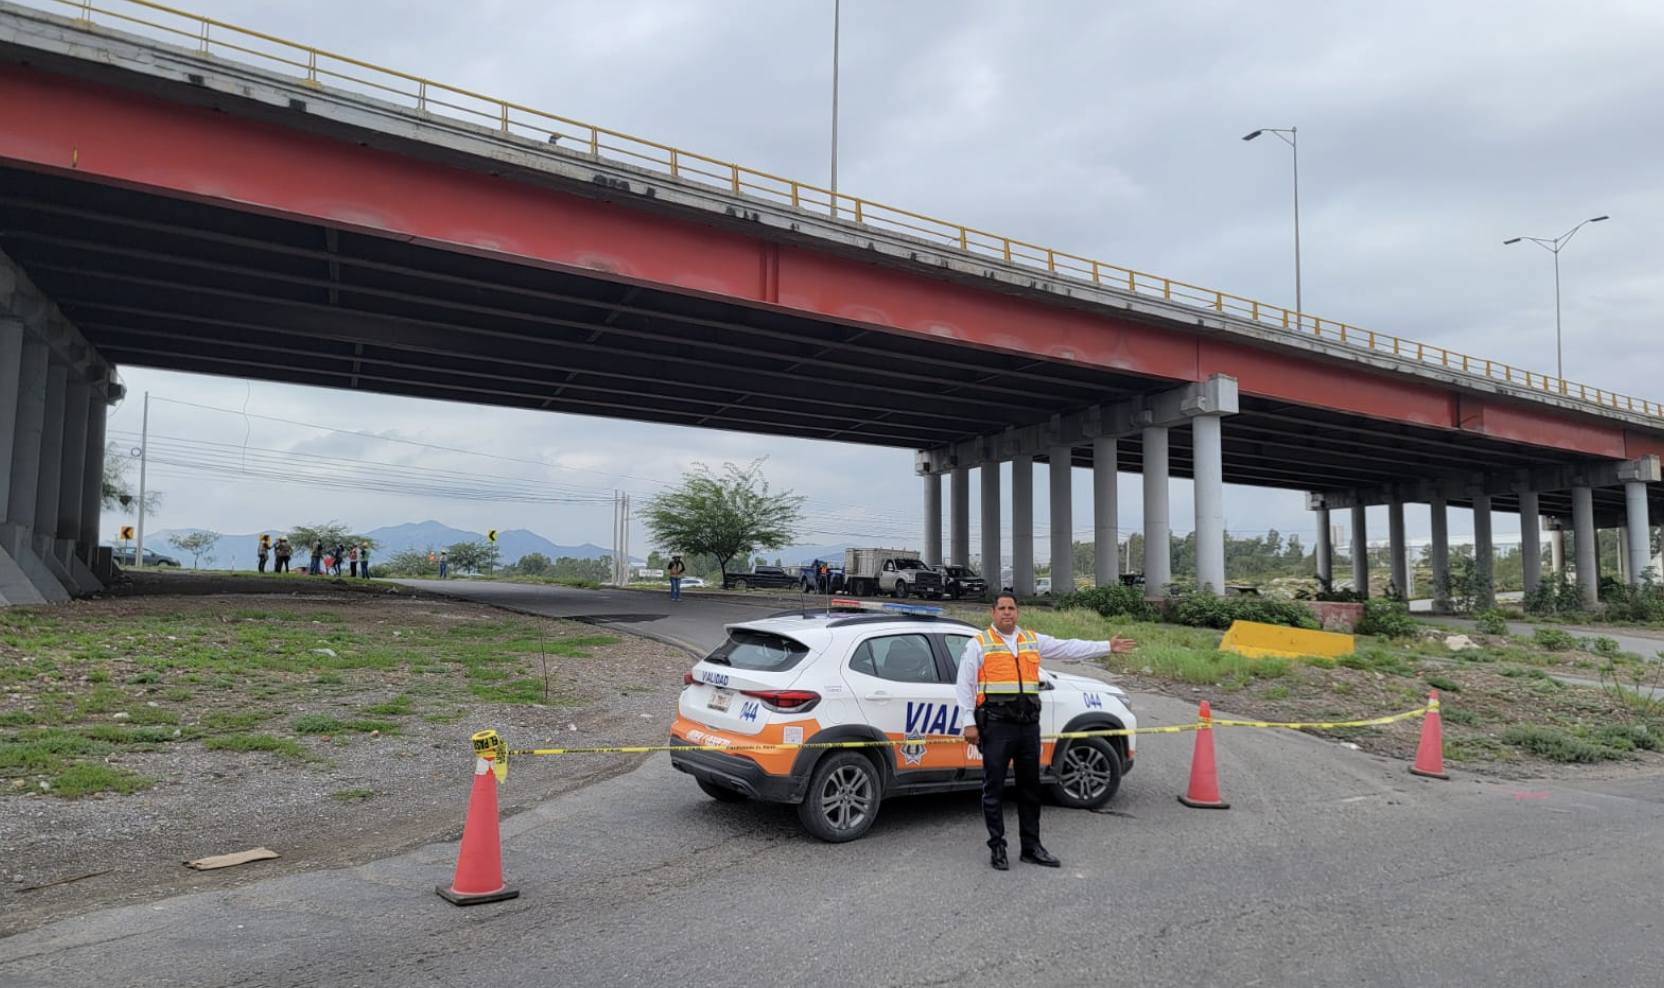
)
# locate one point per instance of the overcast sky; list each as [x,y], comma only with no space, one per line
[1429,134]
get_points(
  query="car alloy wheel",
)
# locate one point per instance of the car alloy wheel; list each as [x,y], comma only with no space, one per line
[843,796]
[1088,774]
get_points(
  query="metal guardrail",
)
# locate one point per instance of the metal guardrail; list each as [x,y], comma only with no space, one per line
[316,67]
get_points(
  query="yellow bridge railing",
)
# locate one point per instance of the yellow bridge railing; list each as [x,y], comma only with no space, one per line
[316,67]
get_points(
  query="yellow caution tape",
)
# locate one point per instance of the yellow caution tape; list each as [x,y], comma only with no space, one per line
[1432,707]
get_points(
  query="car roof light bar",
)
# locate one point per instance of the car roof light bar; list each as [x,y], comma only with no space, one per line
[850,603]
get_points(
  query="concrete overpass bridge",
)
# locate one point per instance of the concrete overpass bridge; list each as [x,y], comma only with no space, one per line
[182,194]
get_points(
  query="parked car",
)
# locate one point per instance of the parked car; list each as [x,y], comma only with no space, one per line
[761,576]
[690,582]
[124,557]
[1042,585]
[881,673]
[958,581]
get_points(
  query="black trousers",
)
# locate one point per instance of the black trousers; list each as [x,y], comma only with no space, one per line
[1003,743]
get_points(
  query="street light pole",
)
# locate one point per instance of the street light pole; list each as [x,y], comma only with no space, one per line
[1291,137]
[836,15]
[1553,247]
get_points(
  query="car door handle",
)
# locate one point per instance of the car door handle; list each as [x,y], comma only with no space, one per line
[880,697]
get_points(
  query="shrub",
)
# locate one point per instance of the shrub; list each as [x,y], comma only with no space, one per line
[1555,744]
[1117,600]
[1491,622]
[1553,596]
[1600,645]
[1643,604]
[1205,610]
[1444,683]
[1554,639]
[1387,619]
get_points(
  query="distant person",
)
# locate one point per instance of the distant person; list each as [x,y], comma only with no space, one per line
[364,562]
[337,555]
[352,562]
[262,551]
[316,565]
[676,570]
[283,552]
[444,566]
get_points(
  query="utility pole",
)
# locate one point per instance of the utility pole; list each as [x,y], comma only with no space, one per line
[144,457]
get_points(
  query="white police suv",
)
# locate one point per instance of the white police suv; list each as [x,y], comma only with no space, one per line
[857,672]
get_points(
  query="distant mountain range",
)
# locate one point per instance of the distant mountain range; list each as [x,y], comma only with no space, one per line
[238,550]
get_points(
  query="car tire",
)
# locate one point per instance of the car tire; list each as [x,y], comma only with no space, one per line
[739,584]
[843,798]
[722,794]
[1088,774]
[900,589]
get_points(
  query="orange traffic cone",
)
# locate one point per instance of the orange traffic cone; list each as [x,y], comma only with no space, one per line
[1204,783]
[1430,753]
[479,866]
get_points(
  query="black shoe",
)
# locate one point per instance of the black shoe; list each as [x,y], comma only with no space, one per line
[1040,856]
[996,857]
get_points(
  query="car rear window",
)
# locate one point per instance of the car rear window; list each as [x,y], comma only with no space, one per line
[759,651]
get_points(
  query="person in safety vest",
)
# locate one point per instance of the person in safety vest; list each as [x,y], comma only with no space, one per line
[999,698]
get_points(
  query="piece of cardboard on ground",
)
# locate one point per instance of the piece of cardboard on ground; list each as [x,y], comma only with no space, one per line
[228,860]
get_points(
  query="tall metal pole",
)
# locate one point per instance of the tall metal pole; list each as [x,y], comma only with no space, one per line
[836,16]
[144,456]
[1554,247]
[1294,142]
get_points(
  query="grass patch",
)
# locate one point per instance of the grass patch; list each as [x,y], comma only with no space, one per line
[352,795]
[396,707]
[1444,683]
[87,778]
[1556,744]
[285,747]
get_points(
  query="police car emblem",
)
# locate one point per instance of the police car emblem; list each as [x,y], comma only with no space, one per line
[913,754]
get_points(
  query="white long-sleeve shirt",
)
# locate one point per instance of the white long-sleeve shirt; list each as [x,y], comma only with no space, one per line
[970,665]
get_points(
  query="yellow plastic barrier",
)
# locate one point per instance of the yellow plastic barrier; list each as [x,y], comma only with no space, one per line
[1257,641]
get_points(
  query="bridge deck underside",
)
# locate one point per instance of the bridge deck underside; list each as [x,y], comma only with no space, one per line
[189,286]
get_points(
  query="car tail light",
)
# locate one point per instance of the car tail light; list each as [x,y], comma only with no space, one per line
[687,678]
[786,701]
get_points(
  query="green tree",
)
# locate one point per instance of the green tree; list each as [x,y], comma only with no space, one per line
[473,557]
[198,544]
[593,570]
[534,564]
[330,533]
[118,494]
[410,562]
[724,515]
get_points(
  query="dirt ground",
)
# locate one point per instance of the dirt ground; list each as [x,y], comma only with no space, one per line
[356,799]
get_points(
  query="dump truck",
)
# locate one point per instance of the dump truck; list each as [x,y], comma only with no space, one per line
[897,572]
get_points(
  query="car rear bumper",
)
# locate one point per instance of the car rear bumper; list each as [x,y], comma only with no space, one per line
[736,773]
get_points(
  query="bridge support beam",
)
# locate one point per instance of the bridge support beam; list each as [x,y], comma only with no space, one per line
[1022,524]
[933,519]
[1360,551]
[1062,519]
[1623,553]
[17,528]
[1585,546]
[1484,553]
[959,524]
[1557,552]
[1396,549]
[1640,531]
[1158,559]
[1438,518]
[1106,532]
[1324,553]
[1531,541]
[1208,457]
[991,562]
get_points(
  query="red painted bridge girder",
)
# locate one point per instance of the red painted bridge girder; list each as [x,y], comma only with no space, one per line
[143,142]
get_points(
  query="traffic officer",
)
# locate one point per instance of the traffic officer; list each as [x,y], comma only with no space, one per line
[999,697]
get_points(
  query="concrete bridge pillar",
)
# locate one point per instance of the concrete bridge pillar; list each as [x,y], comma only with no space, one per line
[959,525]
[38,583]
[1557,552]
[1640,530]
[1585,546]
[991,562]
[1531,540]
[1484,552]
[933,518]
[1439,532]
[1360,551]
[1022,524]
[1207,448]
[1062,489]
[1324,554]
[1106,533]
[1158,551]
[93,554]
[1623,553]
[1396,547]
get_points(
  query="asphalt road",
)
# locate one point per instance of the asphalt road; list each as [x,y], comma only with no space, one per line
[1331,868]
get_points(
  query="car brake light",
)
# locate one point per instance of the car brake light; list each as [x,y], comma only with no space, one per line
[687,678]
[786,701]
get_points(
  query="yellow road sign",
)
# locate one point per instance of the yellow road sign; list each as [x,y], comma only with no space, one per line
[491,535]
[127,533]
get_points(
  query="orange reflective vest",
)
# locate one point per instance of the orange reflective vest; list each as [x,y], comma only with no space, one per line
[1003,674]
